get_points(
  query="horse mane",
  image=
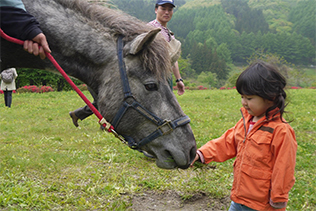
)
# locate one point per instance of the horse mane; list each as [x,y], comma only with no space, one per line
[154,57]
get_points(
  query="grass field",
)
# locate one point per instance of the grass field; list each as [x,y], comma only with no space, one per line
[48,164]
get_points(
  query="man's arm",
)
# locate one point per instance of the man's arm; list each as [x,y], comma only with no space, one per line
[180,84]
[17,23]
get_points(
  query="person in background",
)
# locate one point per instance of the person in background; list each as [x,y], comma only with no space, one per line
[18,23]
[263,143]
[164,12]
[8,86]
[84,112]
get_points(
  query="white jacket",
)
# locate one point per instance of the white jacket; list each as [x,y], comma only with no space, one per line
[9,86]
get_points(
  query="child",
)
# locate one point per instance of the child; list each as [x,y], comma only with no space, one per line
[262,141]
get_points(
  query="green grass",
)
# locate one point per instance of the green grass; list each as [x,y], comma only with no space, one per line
[48,164]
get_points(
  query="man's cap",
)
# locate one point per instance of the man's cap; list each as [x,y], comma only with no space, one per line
[161,2]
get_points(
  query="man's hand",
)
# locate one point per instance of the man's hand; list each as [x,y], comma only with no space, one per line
[180,86]
[38,47]
[176,73]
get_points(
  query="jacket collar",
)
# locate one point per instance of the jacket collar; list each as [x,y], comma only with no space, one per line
[247,116]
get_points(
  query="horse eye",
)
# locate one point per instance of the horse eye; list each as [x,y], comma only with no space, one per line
[151,87]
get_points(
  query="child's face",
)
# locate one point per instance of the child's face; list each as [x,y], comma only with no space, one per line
[255,105]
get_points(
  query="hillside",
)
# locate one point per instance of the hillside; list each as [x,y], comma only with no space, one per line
[217,35]
[200,3]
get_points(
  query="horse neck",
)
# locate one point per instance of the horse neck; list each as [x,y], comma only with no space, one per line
[78,45]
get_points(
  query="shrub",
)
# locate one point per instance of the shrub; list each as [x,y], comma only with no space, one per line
[295,87]
[27,89]
[201,87]
[34,89]
[46,89]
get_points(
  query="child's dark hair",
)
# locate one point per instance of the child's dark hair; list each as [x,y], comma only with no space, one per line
[266,81]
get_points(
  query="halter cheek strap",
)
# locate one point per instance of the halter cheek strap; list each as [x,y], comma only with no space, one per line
[164,127]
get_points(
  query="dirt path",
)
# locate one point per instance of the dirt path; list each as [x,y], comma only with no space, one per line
[172,201]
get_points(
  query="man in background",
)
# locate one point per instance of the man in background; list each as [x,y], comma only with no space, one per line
[164,12]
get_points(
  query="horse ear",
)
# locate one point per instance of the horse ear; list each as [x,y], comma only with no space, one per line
[142,39]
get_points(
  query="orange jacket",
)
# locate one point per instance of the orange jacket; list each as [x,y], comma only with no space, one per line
[265,160]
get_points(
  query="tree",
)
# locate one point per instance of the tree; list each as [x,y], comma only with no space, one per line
[231,81]
[185,68]
[247,41]
[143,10]
[303,17]
[201,56]
[207,79]
[305,50]
[275,13]
[224,53]
[182,22]
[247,19]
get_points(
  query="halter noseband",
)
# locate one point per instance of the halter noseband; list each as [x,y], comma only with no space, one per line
[164,127]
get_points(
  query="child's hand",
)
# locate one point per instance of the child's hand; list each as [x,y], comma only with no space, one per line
[278,205]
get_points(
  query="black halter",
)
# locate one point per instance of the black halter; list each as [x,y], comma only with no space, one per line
[164,127]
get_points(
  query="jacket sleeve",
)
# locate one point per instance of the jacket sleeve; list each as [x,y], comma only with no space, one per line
[18,23]
[15,73]
[220,149]
[284,148]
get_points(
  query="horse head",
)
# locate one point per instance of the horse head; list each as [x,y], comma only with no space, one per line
[93,43]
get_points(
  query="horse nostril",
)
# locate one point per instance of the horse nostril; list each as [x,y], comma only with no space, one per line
[186,164]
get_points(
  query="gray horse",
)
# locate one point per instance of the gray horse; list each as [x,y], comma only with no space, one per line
[83,38]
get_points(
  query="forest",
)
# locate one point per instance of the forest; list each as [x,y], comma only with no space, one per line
[216,35]
[219,35]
